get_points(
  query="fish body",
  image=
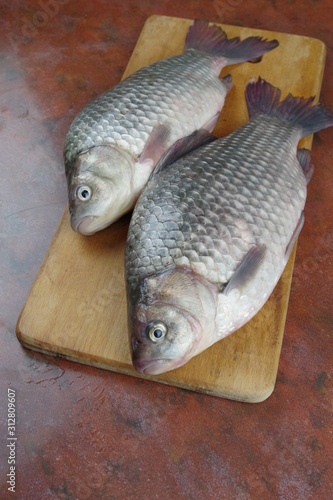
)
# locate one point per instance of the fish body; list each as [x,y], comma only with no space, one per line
[166,92]
[212,232]
[115,141]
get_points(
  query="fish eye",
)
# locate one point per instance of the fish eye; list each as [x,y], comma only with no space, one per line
[83,193]
[156,331]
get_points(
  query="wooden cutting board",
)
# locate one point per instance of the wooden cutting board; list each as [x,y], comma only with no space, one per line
[77,305]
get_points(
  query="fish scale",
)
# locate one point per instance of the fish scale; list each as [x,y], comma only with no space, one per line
[207,222]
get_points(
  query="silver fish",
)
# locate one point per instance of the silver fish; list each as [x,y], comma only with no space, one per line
[212,232]
[115,141]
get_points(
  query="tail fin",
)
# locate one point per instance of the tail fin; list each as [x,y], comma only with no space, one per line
[263,98]
[212,39]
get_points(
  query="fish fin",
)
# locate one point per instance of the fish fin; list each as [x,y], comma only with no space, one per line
[210,124]
[304,158]
[156,145]
[213,39]
[247,269]
[227,80]
[183,146]
[294,236]
[301,111]
[264,98]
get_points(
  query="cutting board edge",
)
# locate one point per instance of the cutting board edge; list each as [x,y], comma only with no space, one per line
[257,396]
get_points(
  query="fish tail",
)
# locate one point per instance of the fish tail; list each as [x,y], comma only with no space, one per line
[213,39]
[264,98]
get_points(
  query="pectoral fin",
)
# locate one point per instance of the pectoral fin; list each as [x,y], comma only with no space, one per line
[247,269]
[156,145]
[182,147]
[295,234]
[210,124]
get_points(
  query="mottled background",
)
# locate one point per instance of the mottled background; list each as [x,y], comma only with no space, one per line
[86,433]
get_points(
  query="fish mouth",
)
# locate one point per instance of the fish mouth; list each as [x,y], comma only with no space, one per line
[148,366]
[83,226]
[157,366]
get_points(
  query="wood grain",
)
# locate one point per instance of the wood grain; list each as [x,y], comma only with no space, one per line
[77,305]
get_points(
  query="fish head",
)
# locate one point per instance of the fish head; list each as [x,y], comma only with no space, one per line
[173,319]
[164,337]
[99,188]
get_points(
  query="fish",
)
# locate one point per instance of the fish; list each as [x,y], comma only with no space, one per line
[115,142]
[213,230]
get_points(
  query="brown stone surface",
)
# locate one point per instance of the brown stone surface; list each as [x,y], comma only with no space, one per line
[87,433]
